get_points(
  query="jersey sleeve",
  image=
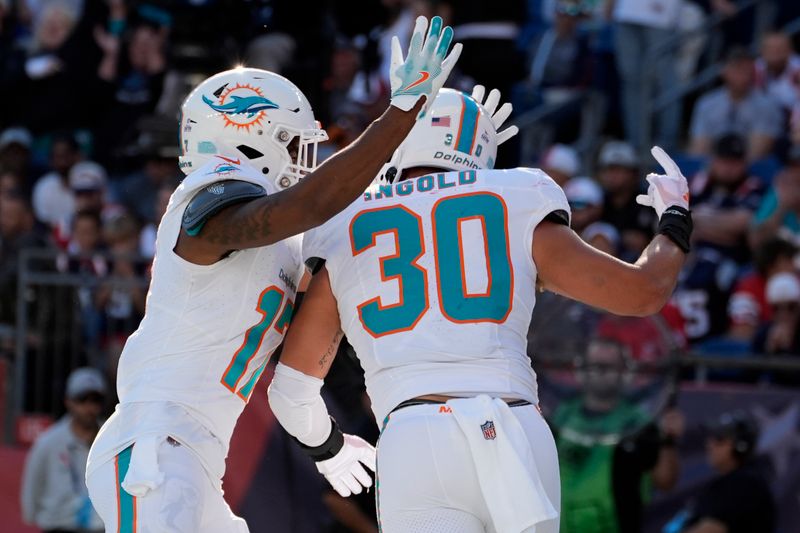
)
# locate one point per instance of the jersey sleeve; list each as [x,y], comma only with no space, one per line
[544,200]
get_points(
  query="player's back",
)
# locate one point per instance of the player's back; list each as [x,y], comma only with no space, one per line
[435,282]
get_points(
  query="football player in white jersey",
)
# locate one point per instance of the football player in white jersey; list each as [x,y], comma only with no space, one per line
[225,276]
[433,279]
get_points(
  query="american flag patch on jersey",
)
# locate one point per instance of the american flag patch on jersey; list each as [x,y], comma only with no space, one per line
[440,121]
[488,430]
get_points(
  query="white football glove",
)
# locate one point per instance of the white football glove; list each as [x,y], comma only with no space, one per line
[665,190]
[425,69]
[498,115]
[344,471]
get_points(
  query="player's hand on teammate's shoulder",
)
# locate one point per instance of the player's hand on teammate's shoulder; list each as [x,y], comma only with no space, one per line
[423,71]
[345,470]
[665,190]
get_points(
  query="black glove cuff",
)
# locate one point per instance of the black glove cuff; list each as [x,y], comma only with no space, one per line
[332,445]
[676,224]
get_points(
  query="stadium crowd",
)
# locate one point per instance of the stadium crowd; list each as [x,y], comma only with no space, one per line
[88,144]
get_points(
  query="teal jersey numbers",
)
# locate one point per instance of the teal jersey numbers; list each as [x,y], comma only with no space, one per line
[269,303]
[406,226]
[456,303]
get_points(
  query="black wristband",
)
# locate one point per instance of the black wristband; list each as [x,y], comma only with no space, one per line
[332,445]
[676,224]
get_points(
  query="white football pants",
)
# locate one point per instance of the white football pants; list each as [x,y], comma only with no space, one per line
[427,480]
[186,501]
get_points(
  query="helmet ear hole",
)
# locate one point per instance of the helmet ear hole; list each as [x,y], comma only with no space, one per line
[250,153]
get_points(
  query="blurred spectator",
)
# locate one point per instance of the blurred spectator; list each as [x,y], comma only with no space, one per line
[54,496]
[17,232]
[619,176]
[724,198]
[778,70]
[88,181]
[147,237]
[560,162]
[748,307]
[779,212]
[602,236]
[15,154]
[603,484]
[585,199]
[122,297]
[11,182]
[640,25]
[138,192]
[53,200]
[703,292]
[559,70]
[488,31]
[736,107]
[62,57]
[85,249]
[739,499]
[782,334]
[133,74]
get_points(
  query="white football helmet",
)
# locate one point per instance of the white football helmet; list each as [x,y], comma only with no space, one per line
[456,133]
[252,114]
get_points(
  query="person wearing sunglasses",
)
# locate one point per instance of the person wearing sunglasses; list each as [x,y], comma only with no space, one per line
[54,496]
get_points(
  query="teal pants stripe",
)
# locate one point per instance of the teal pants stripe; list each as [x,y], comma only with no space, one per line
[126,504]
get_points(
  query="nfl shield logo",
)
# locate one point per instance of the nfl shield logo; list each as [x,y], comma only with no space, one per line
[488,430]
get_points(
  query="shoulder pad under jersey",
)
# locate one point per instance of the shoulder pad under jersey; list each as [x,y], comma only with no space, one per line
[209,200]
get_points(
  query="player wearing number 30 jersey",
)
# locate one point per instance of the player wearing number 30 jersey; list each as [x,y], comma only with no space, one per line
[225,275]
[432,277]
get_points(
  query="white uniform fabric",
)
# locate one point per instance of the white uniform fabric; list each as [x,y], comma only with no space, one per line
[208,331]
[430,479]
[438,355]
[423,244]
[185,502]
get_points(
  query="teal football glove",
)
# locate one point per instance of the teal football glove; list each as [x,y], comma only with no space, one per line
[425,69]
[498,116]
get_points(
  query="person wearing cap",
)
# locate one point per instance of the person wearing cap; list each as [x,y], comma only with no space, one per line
[585,198]
[779,211]
[15,150]
[619,176]
[724,198]
[560,162]
[54,496]
[782,334]
[88,180]
[738,499]
[737,107]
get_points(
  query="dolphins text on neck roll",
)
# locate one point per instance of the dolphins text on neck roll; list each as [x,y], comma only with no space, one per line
[425,183]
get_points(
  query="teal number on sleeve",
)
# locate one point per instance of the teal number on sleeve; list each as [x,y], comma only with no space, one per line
[456,304]
[268,305]
[406,226]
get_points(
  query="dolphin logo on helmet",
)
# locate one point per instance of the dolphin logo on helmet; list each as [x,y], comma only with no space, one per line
[242,104]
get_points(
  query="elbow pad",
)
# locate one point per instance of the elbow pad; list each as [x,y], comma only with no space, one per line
[296,402]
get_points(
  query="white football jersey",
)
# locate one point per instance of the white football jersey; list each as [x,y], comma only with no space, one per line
[207,333]
[435,282]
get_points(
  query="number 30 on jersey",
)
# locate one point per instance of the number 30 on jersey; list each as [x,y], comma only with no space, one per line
[456,303]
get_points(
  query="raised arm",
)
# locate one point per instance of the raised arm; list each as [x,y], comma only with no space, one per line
[569,266]
[338,181]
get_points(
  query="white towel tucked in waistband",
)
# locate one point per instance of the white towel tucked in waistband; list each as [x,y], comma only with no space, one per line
[143,472]
[504,462]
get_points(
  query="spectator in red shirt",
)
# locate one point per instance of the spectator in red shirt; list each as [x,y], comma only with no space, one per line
[748,307]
